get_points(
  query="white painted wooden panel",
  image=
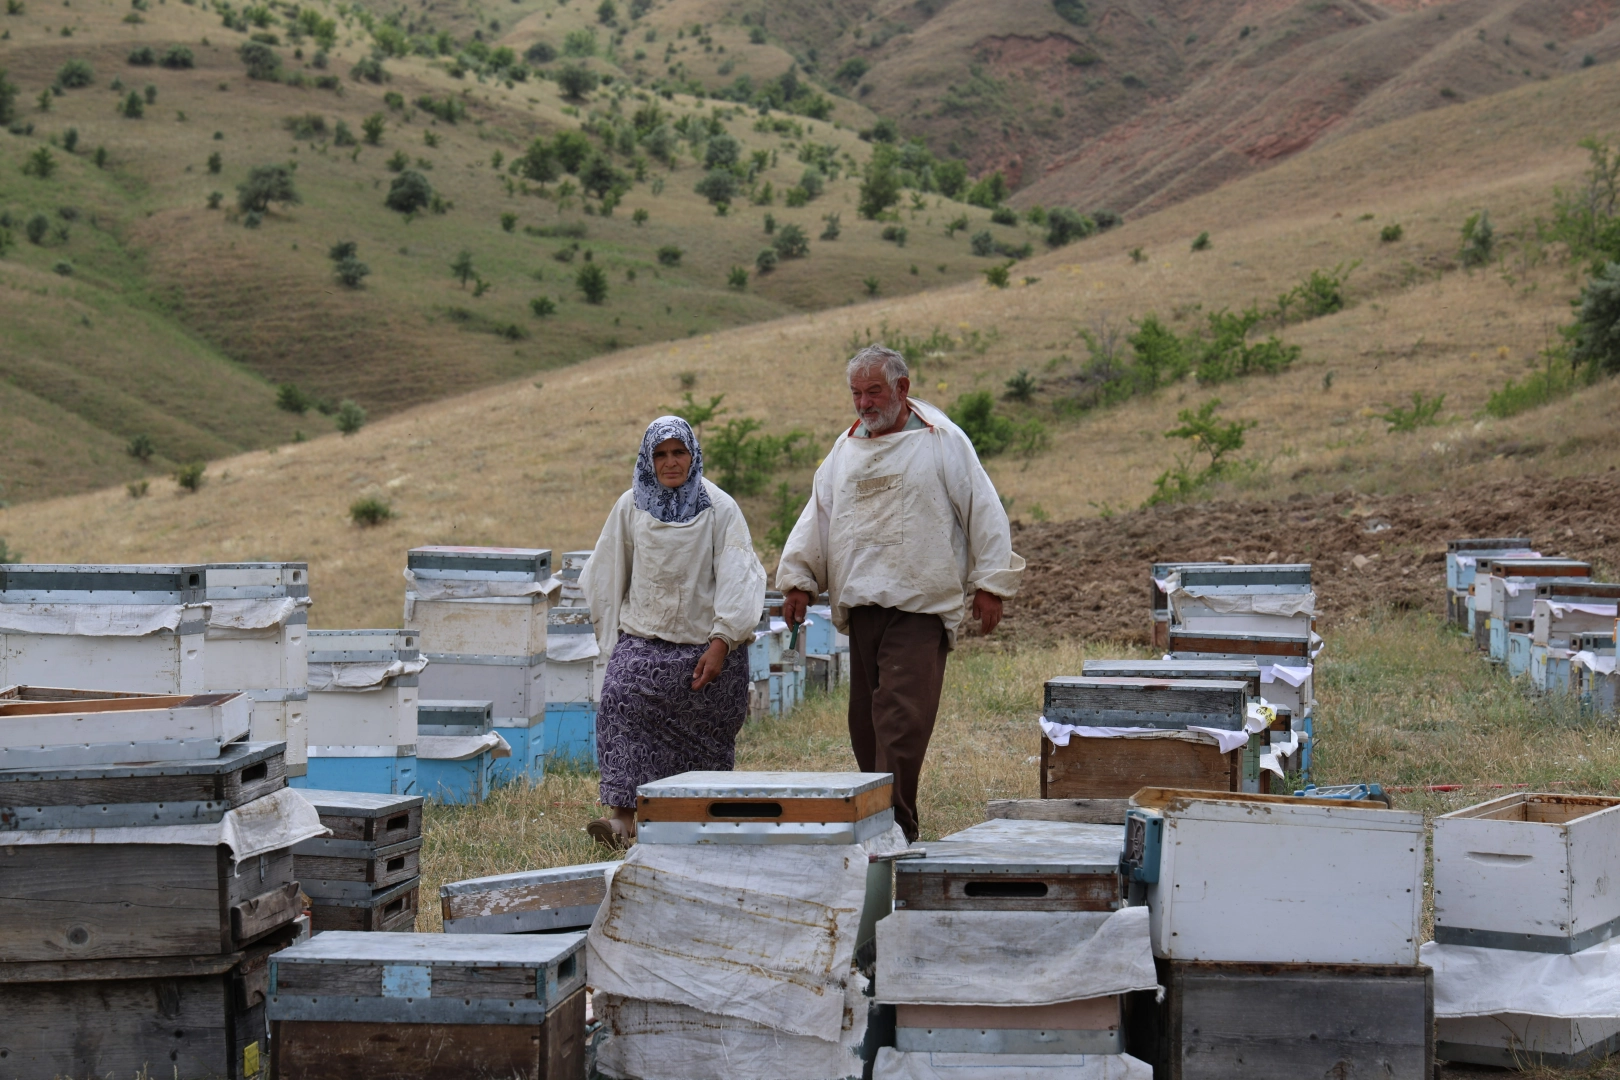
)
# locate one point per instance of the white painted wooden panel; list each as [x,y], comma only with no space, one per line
[220,720]
[153,664]
[277,659]
[514,691]
[1594,869]
[1502,876]
[384,717]
[1295,698]
[1274,883]
[570,682]
[1197,618]
[1551,630]
[492,626]
[1515,1033]
[283,721]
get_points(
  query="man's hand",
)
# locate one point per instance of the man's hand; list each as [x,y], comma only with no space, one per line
[710,664]
[987,609]
[795,606]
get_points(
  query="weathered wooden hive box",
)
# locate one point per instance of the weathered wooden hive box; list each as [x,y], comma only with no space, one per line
[366,875]
[1528,871]
[1197,856]
[430,1006]
[1090,701]
[257,620]
[562,898]
[43,726]
[1243,671]
[116,627]
[1263,599]
[764,808]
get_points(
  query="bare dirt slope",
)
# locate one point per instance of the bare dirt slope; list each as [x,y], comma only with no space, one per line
[1089,579]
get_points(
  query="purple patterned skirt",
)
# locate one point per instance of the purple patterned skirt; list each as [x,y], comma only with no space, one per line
[652,724]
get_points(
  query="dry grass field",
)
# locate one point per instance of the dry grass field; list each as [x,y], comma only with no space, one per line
[538,461]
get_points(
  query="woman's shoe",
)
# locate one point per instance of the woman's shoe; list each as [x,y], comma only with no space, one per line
[610,833]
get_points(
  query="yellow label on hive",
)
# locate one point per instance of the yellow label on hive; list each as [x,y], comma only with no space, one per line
[250,1059]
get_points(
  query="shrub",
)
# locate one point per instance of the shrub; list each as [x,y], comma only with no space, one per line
[349,417]
[178,57]
[895,234]
[133,108]
[190,477]
[791,243]
[70,139]
[832,227]
[351,271]
[997,275]
[988,192]
[722,152]
[1073,11]
[580,43]
[1208,436]
[592,281]
[145,56]
[670,255]
[508,222]
[540,53]
[261,61]
[1021,387]
[37,227]
[975,414]
[409,192]
[1004,215]
[737,278]
[543,306]
[462,267]
[765,261]
[214,199]
[369,69]
[1597,323]
[812,183]
[252,219]
[576,80]
[880,182]
[1064,226]
[40,163]
[151,94]
[1424,412]
[264,185]
[1556,380]
[141,448]
[341,135]
[289,398]
[640,216]
[1202,242]
[76,74]
[1389,234]
[983,243]
[372,128]
[718,186]
[65,269]
[216,162]
[137,490]
[873,285]
[369,510]
[1479,239]
[397,162]
[305,126]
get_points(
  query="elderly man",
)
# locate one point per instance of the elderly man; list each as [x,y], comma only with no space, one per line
[905,531]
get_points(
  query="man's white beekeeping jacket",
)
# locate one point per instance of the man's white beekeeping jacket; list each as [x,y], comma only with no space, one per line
[908,521]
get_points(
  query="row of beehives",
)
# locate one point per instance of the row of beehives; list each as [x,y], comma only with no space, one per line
[783,666]
[1542,618]
[1038,944]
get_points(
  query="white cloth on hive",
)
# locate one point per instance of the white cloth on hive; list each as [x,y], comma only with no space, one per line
[1287,673]
[461,747]
[1060,734]
[359,677]
[758,932]
[237,619]
[95,620]
[893,1064]
[652,1040]
[1473,981]
[1602,664]
[278,820]
[1471,560]
[1012,957]
[1286,604]
[1559,611]
[431,588]
[571,648]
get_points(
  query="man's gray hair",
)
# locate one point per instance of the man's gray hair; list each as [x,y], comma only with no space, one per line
[879,358]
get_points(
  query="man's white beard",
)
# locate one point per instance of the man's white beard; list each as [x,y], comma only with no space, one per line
[883,421]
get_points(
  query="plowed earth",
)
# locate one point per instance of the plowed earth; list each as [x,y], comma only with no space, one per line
[1088,579]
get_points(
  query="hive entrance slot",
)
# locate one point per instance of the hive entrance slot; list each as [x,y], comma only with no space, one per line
[745,810]
[400,822]
[1006,890]
[255,772]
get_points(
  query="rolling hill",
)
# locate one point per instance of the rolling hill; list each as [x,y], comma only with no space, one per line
[539,461]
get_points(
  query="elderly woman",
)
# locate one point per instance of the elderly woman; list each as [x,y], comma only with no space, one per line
[675,591]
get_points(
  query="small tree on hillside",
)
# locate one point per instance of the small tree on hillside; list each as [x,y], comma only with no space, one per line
[349,417]
[372,126]
[409,192]
[1597,326]
[462,267]
[592,281]
[576,80]
[8,99]
[261,61]
[264,185]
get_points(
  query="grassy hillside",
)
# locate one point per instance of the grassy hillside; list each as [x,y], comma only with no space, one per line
[194,316]
[538,461]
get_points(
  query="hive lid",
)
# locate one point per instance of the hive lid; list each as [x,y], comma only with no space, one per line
[1284,577]
[1244,670]
[764,785]
[549,876]
[473,950]
[101,583]
[480,563]
[362,804]
[991,857]
[1489,545]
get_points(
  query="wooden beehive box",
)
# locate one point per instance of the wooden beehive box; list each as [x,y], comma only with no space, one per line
[380,820]
[1212,588]
[1159,600]
[989,875]
[562,898]
[454,717]
[430,1006]
[1222,670]
[384,715]
[1515,1040]
[480,626]
[1528,871]
[1564,609]
[167,661]
[274,657]
[1116,768]
[388,910]
[1463,556]
[1219,1021]
[1262,649]
[43,727]
[195,1018]
[1085,1027]
[1087,701]
[155,793]
[1343,880]
[764,808]
[1509,585]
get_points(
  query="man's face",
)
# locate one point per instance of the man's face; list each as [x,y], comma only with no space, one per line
[876,402]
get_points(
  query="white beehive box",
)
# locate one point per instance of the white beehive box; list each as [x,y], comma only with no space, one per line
[1515,1040]
[571,656]
[113,627]
[1464,556]
[380,715]
[1533,872]
[258,657]
[49,726]
[570,565]
[1506,588]
[281,716]
[1263,599]
[1564,609]
[1273,879]
[471,603]
[765,808]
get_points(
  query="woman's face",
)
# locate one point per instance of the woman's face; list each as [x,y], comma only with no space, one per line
[672,461]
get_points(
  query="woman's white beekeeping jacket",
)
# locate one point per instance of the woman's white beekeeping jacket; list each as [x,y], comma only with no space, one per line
[908,521]
[684,582]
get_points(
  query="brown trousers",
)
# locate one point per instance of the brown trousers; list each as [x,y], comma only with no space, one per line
[897,666]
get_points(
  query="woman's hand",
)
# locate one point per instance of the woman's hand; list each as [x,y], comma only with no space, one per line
[709,664]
